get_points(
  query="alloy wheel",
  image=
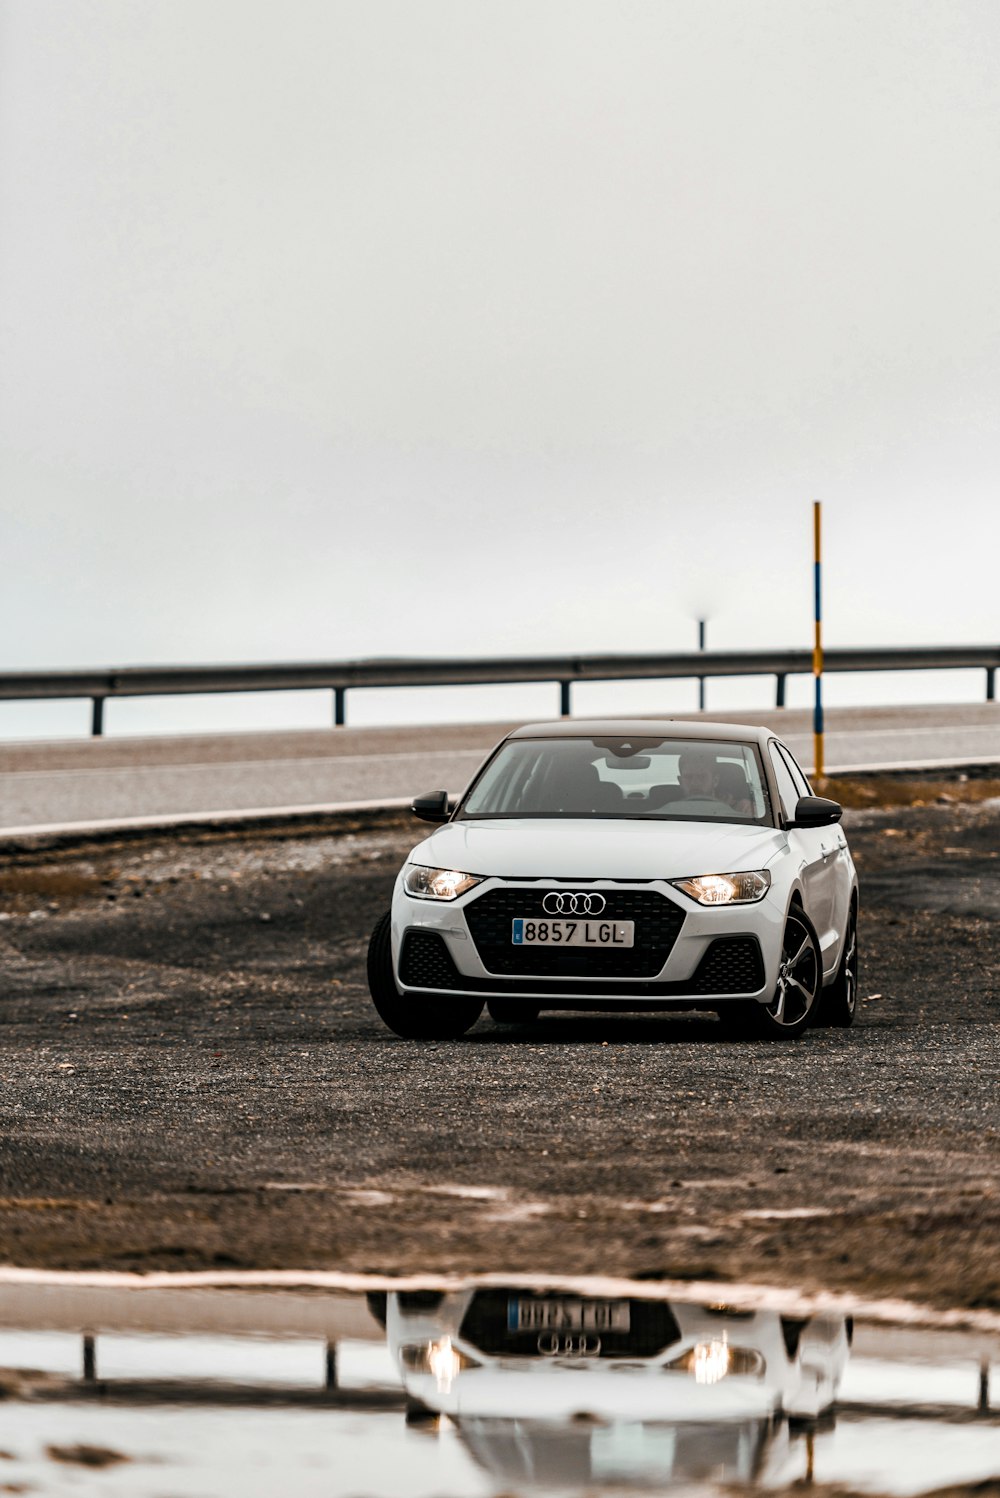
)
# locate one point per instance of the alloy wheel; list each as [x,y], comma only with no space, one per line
[798,976]
[850,968]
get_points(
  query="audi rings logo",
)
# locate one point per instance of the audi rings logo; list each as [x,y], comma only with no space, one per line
[556,903]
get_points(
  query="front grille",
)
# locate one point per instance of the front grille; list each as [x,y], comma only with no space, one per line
[490,1324]
[425,962]
[732,964]
[657,923]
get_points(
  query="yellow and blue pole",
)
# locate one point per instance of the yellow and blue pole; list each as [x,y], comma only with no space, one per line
[818,645]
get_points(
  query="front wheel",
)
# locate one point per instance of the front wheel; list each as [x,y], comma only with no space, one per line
[796,993]
[413,1018]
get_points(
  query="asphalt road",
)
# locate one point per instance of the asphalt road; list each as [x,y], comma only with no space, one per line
[87,781]
[193,1076]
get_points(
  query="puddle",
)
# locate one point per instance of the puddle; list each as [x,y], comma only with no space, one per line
[469,1193]
[481,1387]
[785,1214]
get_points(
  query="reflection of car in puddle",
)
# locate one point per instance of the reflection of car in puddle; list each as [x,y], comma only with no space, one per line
[553,1387]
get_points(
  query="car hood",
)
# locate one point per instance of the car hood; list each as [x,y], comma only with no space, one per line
[595,848]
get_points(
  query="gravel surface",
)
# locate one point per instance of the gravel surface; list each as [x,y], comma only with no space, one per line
[193,1077]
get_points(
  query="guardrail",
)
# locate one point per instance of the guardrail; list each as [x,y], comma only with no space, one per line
[340,677]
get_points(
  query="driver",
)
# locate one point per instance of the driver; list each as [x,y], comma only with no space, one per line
[698,776]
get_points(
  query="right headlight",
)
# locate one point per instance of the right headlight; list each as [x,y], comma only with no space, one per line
[726,889]
[437,884]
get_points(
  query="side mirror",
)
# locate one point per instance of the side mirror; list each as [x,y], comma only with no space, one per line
[432,807]
[816,811]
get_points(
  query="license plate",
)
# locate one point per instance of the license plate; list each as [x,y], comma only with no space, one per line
[566,933]
[567,1315]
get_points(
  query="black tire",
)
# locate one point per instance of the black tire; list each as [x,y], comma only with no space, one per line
[838,1005]
[412,1018]
[421,1417]
[512,1011]
[796,996]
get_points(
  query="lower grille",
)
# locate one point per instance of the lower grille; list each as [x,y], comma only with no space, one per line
[425,962]
[657,923]
[732,964]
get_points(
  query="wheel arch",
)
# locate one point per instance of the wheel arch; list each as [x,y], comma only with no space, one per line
[796,903]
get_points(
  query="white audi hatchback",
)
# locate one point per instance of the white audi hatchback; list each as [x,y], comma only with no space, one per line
[516,1353]
[619,866]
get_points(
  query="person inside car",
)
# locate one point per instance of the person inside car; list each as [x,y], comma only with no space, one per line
[731,785]
[698,775]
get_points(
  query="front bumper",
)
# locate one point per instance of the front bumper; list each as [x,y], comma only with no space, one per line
[683,951]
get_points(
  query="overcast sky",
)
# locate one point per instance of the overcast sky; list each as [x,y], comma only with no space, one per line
[336,329]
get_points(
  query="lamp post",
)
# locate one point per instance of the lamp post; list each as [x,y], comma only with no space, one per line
[701,679]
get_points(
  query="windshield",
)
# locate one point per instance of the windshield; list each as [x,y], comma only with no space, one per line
[671,779]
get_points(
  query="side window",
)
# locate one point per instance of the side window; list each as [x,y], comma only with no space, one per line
[801,782]
[787,790]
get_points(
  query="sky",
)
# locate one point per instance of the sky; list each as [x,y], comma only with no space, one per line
[344,328]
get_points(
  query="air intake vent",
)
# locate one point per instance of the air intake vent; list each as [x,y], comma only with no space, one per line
[426,962]
[732,964]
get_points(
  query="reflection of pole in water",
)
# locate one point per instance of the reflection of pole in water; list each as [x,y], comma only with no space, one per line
[818,765]
[984,1386]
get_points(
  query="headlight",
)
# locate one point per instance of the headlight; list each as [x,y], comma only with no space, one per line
[437,884]
[442,1359]
[710,1362]
[726,889]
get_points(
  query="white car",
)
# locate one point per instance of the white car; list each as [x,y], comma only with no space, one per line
[617,1390]
[624,865]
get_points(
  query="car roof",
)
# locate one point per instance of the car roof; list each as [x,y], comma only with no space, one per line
[642,728]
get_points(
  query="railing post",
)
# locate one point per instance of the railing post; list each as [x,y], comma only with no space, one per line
[779,699]
[97,717]
[564,711]
[331,1365]
[991,683]
[339,706]
[89,1358]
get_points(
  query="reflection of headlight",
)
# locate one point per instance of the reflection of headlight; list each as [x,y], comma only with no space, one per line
[437,884]
[441,1358]
[710,1362]
[726,889]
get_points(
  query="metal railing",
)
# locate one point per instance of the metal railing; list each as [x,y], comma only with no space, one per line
[340,677]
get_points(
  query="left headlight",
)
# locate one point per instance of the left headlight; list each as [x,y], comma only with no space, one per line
[437,884]
[726,889]
[441,1358]
[711,1362]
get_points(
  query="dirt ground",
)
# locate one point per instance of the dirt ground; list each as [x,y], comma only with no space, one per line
[193,1076]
